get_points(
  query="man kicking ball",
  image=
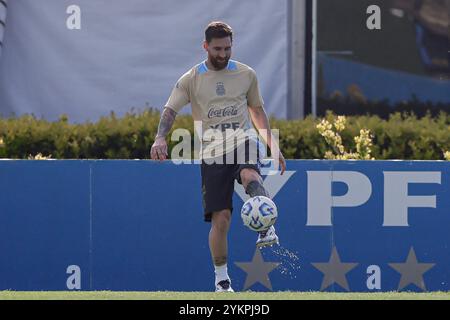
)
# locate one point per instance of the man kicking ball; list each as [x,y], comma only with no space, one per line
[225,97]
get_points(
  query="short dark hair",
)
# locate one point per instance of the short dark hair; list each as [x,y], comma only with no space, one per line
[218,29]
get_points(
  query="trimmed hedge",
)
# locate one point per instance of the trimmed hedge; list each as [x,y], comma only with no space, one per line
[402,136]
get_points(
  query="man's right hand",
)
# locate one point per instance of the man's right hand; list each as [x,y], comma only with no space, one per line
[159,149]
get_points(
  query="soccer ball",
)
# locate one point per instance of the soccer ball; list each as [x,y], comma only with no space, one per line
[259,213]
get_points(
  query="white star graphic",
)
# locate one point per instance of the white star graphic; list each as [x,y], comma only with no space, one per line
[334,271]
[257,270]
[412,271]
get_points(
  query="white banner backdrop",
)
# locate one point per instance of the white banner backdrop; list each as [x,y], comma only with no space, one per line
[86,58]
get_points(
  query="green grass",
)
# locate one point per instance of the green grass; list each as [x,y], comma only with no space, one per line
[110,295]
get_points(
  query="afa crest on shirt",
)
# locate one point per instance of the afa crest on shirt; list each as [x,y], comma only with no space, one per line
[220,89]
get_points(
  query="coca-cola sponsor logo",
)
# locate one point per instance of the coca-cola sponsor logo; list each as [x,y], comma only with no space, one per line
[222,112]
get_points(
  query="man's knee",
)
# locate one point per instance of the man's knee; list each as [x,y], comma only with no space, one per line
[221,220]
[249,175]
[253,183]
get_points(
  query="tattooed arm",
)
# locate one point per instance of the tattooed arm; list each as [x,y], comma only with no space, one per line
[159,147]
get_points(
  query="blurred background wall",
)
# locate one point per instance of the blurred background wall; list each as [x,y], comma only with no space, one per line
[86,58]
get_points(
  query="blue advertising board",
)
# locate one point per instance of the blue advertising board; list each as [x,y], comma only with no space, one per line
[138,226]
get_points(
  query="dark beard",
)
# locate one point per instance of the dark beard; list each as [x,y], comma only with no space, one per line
[219,65]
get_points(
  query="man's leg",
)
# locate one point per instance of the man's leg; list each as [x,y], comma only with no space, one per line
[220,223]
[218,245]
[253,185]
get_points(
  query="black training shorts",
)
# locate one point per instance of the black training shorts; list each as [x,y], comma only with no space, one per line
[218,179]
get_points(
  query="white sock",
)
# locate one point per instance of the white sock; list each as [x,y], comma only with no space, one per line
[221,273]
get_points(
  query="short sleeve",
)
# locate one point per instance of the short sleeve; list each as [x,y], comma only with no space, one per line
[254,98]
[180,94]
